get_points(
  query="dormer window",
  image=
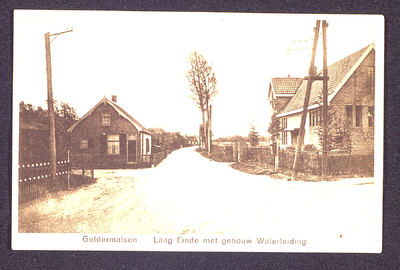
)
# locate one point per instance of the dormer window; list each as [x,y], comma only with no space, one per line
[105,119]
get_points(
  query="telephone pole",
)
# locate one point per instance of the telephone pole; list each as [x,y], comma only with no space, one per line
[50,106]
[325,100]
[311,75]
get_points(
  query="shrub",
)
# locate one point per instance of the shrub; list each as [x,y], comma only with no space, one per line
[310,147]
[290,147]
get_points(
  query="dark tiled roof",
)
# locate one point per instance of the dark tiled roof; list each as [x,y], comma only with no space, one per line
[337,73]
[137,124]
[285,85]
[121,111]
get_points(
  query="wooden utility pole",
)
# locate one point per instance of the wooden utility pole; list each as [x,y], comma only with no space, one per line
[50,106]
[325,101]
[311,75]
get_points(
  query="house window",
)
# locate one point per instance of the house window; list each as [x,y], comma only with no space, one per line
[84,143]
[358,116]
[314,118]
[371,112]
[113,144]
[349,114]
[147,145]
[105,118]
[284,123]
[284,138]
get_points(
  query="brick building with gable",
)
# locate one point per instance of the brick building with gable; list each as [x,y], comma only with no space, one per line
[351,95]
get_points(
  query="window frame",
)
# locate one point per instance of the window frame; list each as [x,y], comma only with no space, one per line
[113,147]
[147,145]
[349,114]
[284,123]
[84,143]
[359,115]
[284,138]
[104,116]
[314,116]
[371,116]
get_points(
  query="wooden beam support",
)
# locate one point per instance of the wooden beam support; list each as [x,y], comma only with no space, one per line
[311,74]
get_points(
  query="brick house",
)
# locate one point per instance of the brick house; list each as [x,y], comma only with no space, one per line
[191,139]
[281,90]
[351,96]
[115,138]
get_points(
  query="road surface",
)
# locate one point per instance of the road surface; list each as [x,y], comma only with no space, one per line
[189,194]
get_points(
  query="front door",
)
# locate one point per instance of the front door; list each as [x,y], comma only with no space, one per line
[132,151]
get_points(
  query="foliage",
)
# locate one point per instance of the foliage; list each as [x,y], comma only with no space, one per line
[310,147]
[339,132]
[236,138]
[163,140]
[203,85]
[64,117]
[290,147]
[253,137]
[274,127]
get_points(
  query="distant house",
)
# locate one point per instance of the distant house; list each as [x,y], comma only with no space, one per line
[351,92]
[191,139]
[115,138]
[281,90]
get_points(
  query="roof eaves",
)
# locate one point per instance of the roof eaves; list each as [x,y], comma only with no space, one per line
[298,110]
[86,115]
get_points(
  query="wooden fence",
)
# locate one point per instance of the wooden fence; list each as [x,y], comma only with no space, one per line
[81,169]
[354,163]
[35,180]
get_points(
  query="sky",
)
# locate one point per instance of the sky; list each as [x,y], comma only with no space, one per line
[141,57]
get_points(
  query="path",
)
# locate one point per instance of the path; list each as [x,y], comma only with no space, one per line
[189,194]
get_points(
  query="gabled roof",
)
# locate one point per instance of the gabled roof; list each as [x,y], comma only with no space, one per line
[338,73]
[119,110]
[285,85]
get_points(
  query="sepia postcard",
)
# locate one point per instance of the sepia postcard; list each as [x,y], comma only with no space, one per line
[197,131]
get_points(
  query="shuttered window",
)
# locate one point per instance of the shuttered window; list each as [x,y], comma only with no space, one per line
[122,144]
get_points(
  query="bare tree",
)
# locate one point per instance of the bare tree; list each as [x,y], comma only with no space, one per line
[203,85]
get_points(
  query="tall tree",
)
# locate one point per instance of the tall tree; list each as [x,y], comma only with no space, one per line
[65,117]
[254,135]
[203,85]
[274,127]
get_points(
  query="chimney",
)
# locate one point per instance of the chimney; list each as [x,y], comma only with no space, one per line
[114,98]
[288,75]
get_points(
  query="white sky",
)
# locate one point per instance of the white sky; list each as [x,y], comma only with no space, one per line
[141,58]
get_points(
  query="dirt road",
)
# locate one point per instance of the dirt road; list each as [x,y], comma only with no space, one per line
[189,194]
